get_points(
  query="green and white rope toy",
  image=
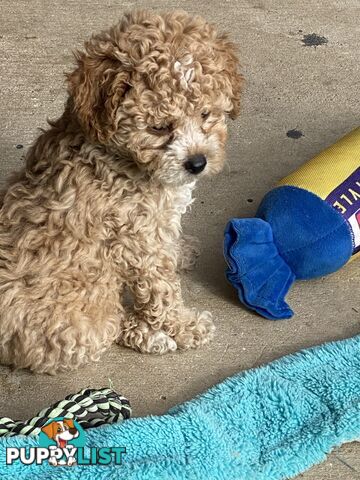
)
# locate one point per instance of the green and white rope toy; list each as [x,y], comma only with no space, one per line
[89,407]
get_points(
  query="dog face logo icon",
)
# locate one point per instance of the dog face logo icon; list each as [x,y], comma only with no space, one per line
[62,436]
[62,431]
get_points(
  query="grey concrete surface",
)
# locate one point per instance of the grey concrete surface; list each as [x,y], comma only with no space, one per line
[289,86]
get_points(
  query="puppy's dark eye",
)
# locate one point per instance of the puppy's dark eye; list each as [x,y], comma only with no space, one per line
[205,115]
[164,130]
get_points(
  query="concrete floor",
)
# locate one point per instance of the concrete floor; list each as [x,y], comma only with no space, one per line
[289,86]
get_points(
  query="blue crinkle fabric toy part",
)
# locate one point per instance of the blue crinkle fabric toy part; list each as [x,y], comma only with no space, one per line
[256,270]
[312,237]
[296,235]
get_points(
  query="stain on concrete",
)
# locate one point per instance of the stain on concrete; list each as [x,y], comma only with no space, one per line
[19,146]
[259,6]
[294,133]
[250,200]
[313,40]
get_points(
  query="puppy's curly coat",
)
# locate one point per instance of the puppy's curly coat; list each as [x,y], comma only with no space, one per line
[97,207]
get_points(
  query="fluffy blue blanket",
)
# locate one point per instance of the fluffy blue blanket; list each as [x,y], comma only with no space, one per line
[268,423]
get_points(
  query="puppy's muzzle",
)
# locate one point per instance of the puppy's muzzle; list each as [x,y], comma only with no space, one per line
[195,164]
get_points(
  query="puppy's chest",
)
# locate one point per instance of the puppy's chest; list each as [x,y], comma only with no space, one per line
[152,212]
[171,204]
[179,199]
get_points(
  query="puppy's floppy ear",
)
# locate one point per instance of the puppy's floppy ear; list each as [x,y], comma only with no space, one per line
[97,87]
[50,430]
[227,57]
[69,422]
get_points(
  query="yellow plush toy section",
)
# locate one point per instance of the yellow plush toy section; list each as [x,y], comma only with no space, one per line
[329,169]
[323,173]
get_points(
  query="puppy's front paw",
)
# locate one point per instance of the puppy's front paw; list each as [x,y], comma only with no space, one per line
[189,252]
[138,335]
[196,330]
[158,343]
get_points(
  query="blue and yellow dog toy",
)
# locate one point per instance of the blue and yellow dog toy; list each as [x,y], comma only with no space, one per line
[306,227]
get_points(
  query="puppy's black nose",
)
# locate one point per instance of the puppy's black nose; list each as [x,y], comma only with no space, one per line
[72,431]
[195,164]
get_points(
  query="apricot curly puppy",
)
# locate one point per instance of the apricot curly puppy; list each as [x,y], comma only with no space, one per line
[98,205]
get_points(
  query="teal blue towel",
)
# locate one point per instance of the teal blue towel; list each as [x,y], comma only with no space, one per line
[268,423]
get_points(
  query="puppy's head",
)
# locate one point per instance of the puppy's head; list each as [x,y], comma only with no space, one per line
[159,88]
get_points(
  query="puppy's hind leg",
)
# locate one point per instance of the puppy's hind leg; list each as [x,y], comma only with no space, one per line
[58,338]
